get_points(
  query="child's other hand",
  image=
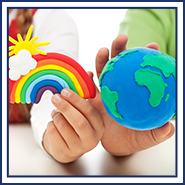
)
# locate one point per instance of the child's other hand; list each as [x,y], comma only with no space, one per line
[117,139]
[77,127]
[118,45]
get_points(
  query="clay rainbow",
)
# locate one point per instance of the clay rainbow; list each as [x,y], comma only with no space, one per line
[53,72]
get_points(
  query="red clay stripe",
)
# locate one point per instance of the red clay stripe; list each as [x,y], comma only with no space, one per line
[72,63]
[69,68]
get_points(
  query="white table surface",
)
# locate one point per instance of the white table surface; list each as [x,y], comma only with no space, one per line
[26,158]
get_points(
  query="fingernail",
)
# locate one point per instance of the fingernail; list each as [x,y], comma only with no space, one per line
[65,93]
[55,98]
[53,112]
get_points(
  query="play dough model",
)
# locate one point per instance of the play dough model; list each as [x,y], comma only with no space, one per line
[138,88]
[30,74]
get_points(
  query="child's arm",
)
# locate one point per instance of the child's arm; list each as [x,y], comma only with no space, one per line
[143,26]
[49,26]
[117,139]
[77,127]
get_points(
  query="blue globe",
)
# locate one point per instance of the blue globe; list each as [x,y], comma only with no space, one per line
[138,88]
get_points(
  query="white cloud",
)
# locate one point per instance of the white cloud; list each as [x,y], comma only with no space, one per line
[21,64]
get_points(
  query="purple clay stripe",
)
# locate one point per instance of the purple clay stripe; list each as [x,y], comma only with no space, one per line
[42,90]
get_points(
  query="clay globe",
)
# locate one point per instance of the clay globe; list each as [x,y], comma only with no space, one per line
[138,88]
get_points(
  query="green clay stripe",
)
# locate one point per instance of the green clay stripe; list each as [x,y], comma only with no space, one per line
[154,82]
[122,54]
[162,62]
[42,73]
[110,98]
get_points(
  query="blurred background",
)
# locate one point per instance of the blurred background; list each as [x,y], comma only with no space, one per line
[97,28]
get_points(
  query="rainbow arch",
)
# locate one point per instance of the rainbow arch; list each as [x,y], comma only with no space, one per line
[53,72]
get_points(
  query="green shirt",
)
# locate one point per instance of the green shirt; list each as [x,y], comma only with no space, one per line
[143,26]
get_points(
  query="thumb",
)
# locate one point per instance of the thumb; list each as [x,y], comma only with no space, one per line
[163,133]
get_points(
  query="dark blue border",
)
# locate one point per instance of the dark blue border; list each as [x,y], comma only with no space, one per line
[91,4]
[4,94]
[176,119]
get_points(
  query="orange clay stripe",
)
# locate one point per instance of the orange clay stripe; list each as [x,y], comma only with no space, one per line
[74,64]
[12,95]
[15,92]
[69,68]
[50,66]
[56,62]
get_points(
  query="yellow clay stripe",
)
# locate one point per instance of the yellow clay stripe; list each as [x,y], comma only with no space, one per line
[54,67]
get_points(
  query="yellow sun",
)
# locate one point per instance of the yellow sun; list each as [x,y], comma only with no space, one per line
[27,44]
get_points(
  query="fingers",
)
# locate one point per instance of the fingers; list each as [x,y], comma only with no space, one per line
[84,107]
[90,74]
[77,127]
[65,130]
[96,88]
[52,139]
[74,118]
[57,147]
[102,58]
[163,133]
[119,45]
[81,115]
[153,45]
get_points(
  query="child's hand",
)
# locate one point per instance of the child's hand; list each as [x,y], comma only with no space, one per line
[117,139]
[77,127]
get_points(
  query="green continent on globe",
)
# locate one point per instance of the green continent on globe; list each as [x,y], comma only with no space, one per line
[166,98]
[110,64]
[162,62]
[127,52]
[110,98]
[108,67]
[154,82]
